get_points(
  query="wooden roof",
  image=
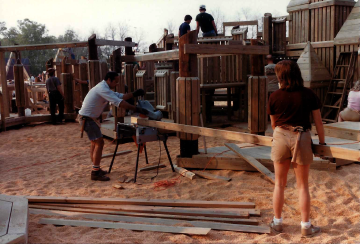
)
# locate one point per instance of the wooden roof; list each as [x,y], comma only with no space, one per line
[296,5]
[350,31]
[312,69]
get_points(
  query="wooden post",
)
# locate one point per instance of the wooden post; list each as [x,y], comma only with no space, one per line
[76,87]
[66,79]
[119,113]
[104,69]
[129,67]
[188,96]
[19,87]
[93,65]
[257,94]
[267,30]
[5,93]
[83,75]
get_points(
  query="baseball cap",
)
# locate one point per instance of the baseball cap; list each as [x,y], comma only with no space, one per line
[202,6]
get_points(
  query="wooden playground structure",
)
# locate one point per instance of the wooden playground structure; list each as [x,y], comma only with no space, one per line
[182,77]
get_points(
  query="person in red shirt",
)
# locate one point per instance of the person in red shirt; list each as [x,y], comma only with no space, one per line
[290,108]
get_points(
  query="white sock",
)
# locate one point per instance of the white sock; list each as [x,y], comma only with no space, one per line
[277,221]
[306,225]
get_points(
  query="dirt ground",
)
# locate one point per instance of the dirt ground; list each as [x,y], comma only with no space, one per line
[49,160]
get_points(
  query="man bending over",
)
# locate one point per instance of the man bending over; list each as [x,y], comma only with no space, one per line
[92,108]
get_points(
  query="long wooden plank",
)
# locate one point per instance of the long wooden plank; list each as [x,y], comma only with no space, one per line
[209,176]
[145,202]
[262,169]
[146,215]
[240,23]
[157,210]
[139,227]
[132,218]
[329,151]
[225,49]
[157,56]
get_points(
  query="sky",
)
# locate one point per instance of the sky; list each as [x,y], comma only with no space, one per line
[148,17]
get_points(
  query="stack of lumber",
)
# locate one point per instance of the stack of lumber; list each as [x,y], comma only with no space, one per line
[170,216]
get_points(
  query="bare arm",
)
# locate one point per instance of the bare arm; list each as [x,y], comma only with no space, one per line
[60,90]
[81,81]
[272,118]
[127,96]
[213,23]
[197,27]
[127,105]
[319,125]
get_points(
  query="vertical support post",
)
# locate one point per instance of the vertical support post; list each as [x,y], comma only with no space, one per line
[76,87]
[93,65]
[257,94]
[83,75]
[119,113]
[129,78]
[3,82]
[267,30]
[19,87]
[66,79]
[188,96]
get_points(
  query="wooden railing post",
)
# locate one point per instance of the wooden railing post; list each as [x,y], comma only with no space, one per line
[188,96]
[93,64]
[267,30]
[257,94]
[66,79]
[19,87]
[5,93]
[83,75]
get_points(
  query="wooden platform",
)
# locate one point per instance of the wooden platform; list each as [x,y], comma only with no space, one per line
[230,161]
[345,130]
[13,219]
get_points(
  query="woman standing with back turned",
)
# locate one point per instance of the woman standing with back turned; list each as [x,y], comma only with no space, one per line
[289,109]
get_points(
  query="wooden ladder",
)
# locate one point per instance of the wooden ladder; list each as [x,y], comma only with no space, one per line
[338,88]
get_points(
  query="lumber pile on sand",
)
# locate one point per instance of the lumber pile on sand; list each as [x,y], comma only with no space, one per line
[172,216]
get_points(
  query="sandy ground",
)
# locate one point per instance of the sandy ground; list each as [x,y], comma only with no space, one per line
[49,160]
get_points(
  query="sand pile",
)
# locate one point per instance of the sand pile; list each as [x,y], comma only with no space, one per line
[52,160]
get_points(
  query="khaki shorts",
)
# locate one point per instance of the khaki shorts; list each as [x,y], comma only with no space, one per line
[283,145]
[349,115]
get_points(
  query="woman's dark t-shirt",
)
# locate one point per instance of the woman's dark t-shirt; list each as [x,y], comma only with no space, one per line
[293,107]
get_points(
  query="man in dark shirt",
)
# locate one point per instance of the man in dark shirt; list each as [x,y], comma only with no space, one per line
[185,27]
[56,95]
[206,22]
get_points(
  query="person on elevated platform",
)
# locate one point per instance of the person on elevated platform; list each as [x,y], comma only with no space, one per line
[290,108]
[270,74]
[206,22]
[352,111]
[94,103]
[185,27]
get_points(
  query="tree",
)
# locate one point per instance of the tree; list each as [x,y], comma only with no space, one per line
[248,14]
[170,27]
[2,28]
[219,19]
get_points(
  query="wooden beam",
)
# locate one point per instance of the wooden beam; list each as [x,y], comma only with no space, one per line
[3,82]
[145,202]
[139,227]
[326,3]
[313,44]
[130,219]
[241,23]
[42,46]
[151,210]
[101,42]
[157,56]
[209,176]
[163,216]
[328,151]
[225,49]
[256,164]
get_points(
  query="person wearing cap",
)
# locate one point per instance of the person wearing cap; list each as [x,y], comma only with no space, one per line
[92,108]
[185,27]
[206,22]
[56,96]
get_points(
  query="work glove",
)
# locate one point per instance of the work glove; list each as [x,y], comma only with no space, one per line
[138,93]
[141,111]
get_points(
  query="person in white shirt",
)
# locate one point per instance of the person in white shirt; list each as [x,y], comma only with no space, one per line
[92,108]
